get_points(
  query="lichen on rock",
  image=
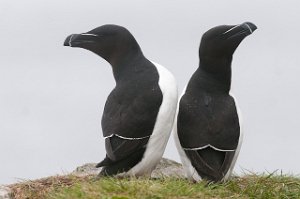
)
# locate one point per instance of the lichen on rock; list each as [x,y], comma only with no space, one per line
[5,192]
[165,168]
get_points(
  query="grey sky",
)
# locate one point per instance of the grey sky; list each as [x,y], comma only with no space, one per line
[52,97]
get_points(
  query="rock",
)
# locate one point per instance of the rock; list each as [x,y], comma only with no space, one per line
[86,169]
[5,192]
[168,168]
[165,168]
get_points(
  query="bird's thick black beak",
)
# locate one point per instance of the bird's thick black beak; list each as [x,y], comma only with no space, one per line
[70,39]
[250,27]
[241,30]
[77,40]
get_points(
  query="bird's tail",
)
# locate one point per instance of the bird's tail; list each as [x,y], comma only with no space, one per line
[105,162]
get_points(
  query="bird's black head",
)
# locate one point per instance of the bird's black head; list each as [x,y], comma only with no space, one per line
[113,43]
[219,43]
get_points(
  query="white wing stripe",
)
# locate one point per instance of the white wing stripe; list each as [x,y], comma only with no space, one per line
[204,147]
[126,138]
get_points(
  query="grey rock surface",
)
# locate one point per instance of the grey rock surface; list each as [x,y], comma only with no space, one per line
[165,168]
[168,168]
[86,169]
[4,192]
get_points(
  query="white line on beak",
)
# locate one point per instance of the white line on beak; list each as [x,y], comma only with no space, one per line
[88,34]
[70,44]
[248,27]
[231,29]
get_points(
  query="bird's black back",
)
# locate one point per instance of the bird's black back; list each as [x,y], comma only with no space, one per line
[207,115]
[132,106]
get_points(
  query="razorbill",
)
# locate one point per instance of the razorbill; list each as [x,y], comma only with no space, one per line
[140,110]
[208,132]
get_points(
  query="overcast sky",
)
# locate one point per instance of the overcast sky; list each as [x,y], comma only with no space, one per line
[52,97]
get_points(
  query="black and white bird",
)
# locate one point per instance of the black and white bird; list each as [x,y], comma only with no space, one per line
[139,112]
[208,132]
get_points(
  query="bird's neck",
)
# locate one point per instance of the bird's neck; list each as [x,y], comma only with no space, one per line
[214,76]
[127,65]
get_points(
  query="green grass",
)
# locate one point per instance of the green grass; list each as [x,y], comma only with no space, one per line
[71,187]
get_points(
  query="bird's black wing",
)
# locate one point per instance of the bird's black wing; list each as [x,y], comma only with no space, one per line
[208,120]
[208,130]
[122,154]
[209,163]
[131,109]
[128,120]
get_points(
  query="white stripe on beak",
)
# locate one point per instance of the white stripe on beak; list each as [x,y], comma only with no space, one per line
[70,44]
[230,29]
[249,28]
[89,34]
